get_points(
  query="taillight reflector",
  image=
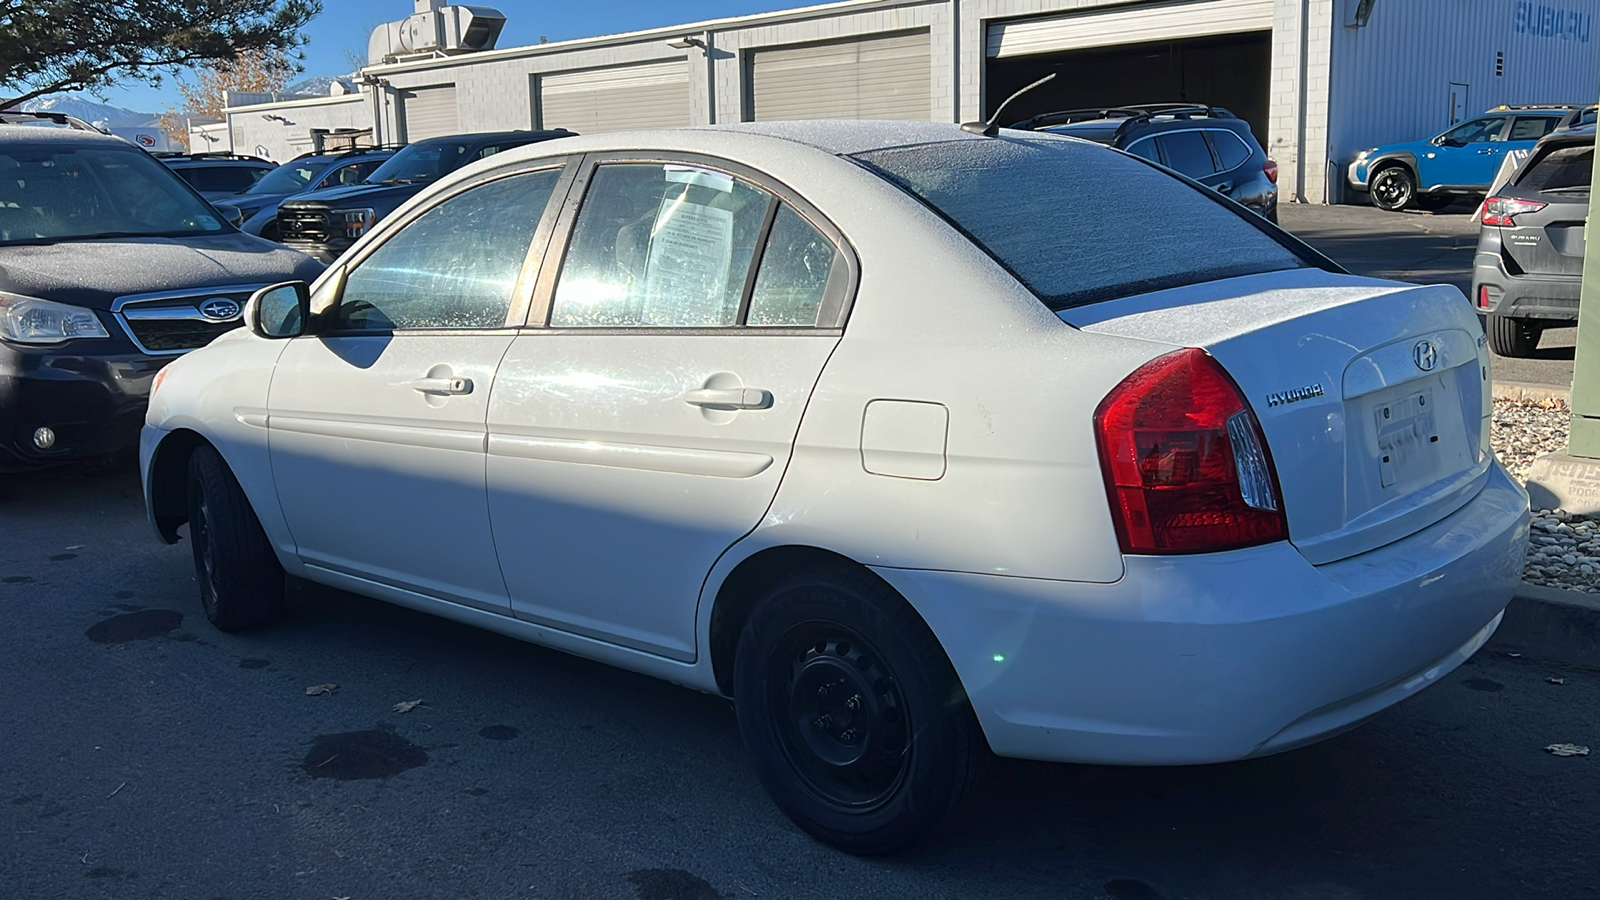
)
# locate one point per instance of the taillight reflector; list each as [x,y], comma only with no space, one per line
[1499,210]
[1270,168]
[1186,467]
[1483,296]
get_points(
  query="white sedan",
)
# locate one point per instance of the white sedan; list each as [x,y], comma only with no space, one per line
[918,444]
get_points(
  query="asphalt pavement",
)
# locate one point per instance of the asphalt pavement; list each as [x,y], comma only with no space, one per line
[149,756]
[1426,248]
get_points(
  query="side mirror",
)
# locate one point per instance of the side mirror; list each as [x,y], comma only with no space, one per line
[233,214]
[279,311]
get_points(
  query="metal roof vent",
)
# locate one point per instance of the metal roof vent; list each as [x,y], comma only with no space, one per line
[436,30]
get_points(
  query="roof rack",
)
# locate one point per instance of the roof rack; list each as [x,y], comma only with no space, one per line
[218,154]
[1140,112]
[1578,118]
[1511,106]
[353,151]
[31,118]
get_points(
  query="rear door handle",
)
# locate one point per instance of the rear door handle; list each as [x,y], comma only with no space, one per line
[729,398]
[445,386]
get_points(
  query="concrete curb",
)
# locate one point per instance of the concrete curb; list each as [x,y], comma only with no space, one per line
[1551,625]
[1524,392]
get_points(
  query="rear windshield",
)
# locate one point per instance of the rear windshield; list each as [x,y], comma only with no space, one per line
[1566,169]
[1077,223]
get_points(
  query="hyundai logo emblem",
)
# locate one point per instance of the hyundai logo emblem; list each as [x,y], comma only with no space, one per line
[1425,355]
[221,309]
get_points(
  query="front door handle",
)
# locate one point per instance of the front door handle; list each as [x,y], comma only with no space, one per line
[729,398]
[1225,187]
[444,386]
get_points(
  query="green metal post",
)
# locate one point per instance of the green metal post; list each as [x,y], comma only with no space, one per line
[1584,439]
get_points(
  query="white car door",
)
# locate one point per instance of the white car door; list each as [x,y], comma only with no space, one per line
[376,420]
[644,428]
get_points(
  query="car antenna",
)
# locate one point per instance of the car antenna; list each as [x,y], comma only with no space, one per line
[990,128]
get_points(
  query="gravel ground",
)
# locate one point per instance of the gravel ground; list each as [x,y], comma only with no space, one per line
[1565,549]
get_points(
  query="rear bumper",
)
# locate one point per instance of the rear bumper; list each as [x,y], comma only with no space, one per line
[1548,297]
[90,394]
[1223,656]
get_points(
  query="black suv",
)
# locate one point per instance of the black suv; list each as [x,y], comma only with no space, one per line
[1528,269]
[256,210]
[325,223]
[110,265]
[217,175]
[1206,143]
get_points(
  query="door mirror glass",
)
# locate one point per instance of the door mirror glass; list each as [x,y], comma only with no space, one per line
[279,311]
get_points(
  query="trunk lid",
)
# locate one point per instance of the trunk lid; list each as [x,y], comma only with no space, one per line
[1373,396]
[1550,241]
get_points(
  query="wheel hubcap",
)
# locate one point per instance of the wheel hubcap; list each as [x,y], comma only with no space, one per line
[845,730]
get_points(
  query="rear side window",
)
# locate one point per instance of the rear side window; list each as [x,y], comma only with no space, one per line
[1563,169]
[1186,152]
[1078,224]
[1230,149]
[1531,128]
[230,179]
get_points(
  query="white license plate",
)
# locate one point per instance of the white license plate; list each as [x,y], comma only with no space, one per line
[1408,442]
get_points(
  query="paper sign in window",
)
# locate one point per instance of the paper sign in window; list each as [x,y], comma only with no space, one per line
[691,251]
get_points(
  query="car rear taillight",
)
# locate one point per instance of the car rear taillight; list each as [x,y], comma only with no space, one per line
[1270,168]
[1185,464]
[1483,296]
[1499,210]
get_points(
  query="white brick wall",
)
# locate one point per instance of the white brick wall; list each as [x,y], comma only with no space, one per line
[282,131]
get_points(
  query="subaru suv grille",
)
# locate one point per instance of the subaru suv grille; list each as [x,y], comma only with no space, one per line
[175,322]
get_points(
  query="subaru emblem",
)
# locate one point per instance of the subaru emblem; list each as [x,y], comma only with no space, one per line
[1425,355]
[221,309]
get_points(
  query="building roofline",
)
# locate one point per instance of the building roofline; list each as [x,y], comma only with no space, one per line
[777,17]
[295,104]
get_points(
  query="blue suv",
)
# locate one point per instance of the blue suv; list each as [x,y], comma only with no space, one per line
[1458,162]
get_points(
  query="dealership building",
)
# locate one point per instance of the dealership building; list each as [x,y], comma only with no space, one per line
[1317,80]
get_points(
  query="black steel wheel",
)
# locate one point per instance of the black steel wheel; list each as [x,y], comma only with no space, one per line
[241,581]
[858,724]
[1513,336]
[1393,188]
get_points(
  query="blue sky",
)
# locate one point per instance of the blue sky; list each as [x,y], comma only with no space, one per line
[347,24]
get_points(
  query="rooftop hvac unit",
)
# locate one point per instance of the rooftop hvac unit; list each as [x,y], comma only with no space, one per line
[436,29]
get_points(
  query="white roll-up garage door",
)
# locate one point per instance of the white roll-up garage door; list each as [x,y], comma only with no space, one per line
[1123,25]
[872,78]
[595,100]
[430,112]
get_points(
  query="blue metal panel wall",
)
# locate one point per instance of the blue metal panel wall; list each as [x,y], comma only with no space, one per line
[1390,80]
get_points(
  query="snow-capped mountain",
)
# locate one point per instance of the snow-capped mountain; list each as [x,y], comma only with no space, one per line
[318,86]
[98,114]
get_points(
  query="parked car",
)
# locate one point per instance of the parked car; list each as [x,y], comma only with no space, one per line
[863,426]
[1527,273]
[218,176]
[110,266]
[256,210]
[1458,162]
[1206,143]
[325,223]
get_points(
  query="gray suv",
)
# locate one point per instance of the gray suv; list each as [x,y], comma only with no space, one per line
[1528,270]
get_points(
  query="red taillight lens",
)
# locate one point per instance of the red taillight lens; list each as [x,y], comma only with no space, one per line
[1499,210]
[1271,169]
[1185,464]
[1483,296]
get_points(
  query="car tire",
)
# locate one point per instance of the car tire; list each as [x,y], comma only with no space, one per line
[1432,202]
[1392,188]
[1512,336]
[858,723]
[241,581]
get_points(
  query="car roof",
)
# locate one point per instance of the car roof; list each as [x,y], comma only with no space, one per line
[486,136]
[38,134]
[847,137]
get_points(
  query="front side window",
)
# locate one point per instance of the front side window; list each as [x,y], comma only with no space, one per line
[660,246]
[1477,131]
[222,179]
[1186,152]
[452,267]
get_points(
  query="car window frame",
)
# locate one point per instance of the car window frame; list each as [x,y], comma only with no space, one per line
[522,289]
[1552,122]
[838,297]
[1217,154]
[1216,164]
